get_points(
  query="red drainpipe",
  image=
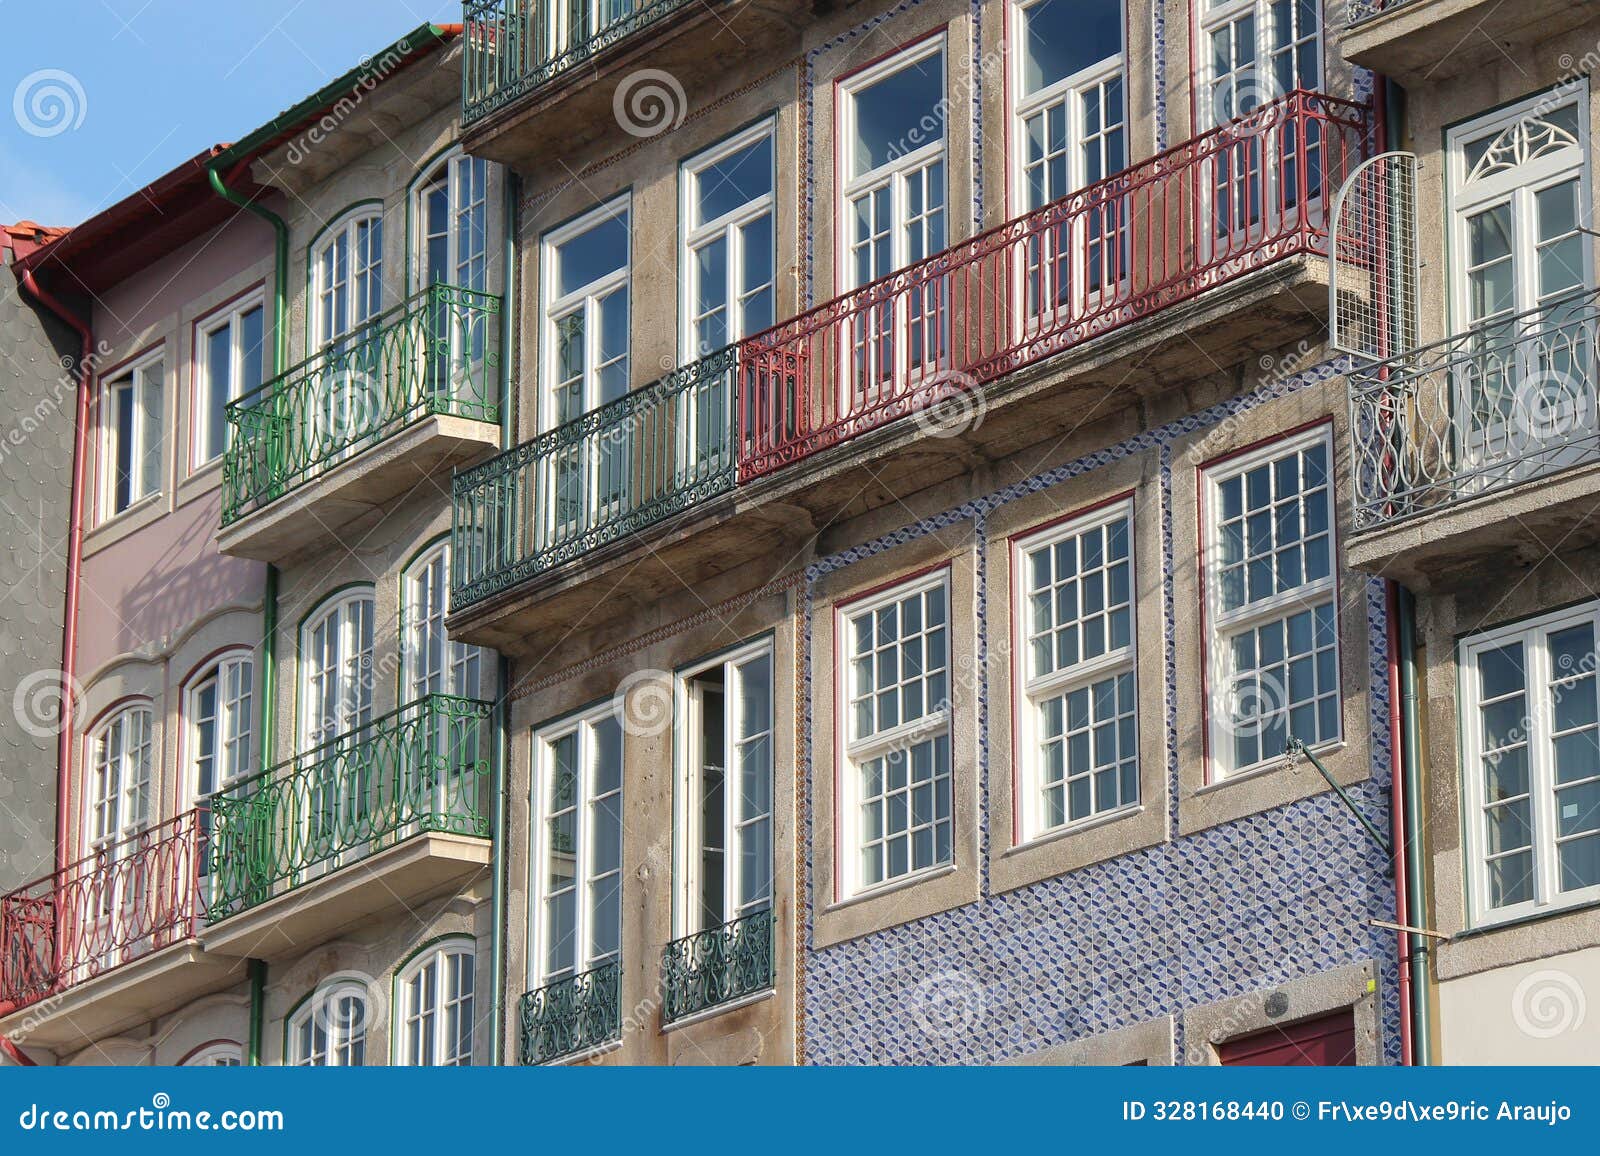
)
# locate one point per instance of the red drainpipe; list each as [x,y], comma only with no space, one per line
[17,1054]
[69,632]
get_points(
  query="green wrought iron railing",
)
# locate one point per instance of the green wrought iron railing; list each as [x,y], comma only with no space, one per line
[422,768]
[572,1015]
[614,471]
[436,353]
[516,46]
[714,967]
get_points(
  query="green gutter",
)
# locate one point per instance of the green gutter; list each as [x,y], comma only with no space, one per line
[269,595]
[1416,894]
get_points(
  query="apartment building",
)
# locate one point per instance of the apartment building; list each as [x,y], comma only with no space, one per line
[1473,466]
[924,409]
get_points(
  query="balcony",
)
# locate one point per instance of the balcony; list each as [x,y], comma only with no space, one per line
[1415,40]
[522,58]
[108,941]
[573,1017]
[717,968]
[407,797]
[1211,250]
[414,391]
[1481,447]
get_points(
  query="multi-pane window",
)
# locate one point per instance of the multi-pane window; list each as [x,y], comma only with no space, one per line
[897,811]
[131,408]
[336,669]
[1272,600]
[1530,721]
[569,28]
[347,276]
[229,363]
[1255,51]
[121,762]
[221,714]
[223,1054]
[433,663]
[576,921]
[453,205]
[730,251]
[587,339]
[1078,725]
[435,1008]
[330,1028]
[725,816]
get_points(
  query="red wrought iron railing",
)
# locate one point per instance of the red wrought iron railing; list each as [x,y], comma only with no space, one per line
[121,903]
[1201,214]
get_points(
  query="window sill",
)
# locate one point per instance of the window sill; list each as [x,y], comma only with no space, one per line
[1261,770]
[711,1013]
[1082,826]
[927,874]
[1490,924]
[587,1054]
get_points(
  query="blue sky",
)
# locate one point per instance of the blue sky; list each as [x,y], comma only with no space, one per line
[103,96]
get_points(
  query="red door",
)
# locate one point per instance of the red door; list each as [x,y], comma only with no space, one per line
[1327,1041]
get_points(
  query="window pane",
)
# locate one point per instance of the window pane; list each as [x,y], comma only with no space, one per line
[734,181]
[898,114]
[593,253]
[1063,37]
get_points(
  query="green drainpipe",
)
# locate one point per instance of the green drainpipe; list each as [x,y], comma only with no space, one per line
[269,596]
[502,706]
[1416,893]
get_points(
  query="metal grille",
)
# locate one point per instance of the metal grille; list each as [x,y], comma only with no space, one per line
[1372,283]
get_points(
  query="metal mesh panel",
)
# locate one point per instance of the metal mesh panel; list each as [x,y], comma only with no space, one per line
[1372,289]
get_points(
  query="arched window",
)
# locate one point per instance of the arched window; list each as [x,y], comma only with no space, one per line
[434,1007]
[220,710]
[452,213]
[434,664]
[120,778]
[347,275]
[329,1028]
[336,668]
[220,1054]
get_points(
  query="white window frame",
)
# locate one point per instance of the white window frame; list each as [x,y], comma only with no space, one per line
[1265,86]
[584,801]
[1533,634]
[120,791]
[203,394]
[459,172]
[585,297]
[429,575]
[1223,625]
[1032,690]
[1069,88]
[417,1026]
[313,731]
[347,227]
[730,229]
[852,752]
[214,672]
[339,1042]
[146,429]
[688,826]
[222,1054]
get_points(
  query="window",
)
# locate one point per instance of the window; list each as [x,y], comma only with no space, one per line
[131,407]
[452,211]
[347,276]
[1519,188]
[587,316]
[569,28]
[336,669]
[435,1007]
[222,1054]
[1070,107]
[725,799]
[220,711]
[730,251]
[121,762]
[1271,597]
[1255,51]
[1078,728]
[577,887]
[229,364]
[433,663]
[896,808]
[330,1028]
[1530,724]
